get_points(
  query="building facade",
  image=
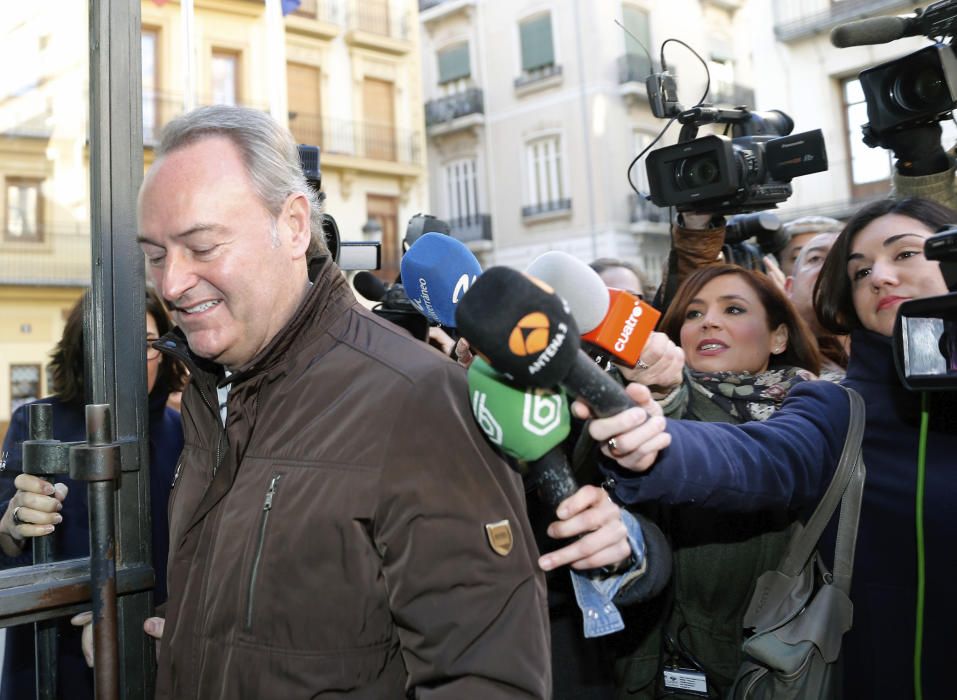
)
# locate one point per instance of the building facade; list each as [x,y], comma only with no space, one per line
[800,72]
[343,74]
[536,109]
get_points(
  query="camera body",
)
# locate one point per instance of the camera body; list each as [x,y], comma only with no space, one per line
[749,172]
[917,89]
[349,255]
[925,333]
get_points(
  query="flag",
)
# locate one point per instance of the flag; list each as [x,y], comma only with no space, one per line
[290,6]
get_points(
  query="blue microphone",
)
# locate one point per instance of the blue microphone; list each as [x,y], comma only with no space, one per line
[437,271]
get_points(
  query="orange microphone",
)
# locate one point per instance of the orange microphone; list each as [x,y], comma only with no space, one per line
[626,327]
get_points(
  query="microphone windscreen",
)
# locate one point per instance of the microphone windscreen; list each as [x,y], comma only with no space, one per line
[369,286]
[576,283]
[524,423]
[876,30]
[437,271]
[626,328]
[522,327]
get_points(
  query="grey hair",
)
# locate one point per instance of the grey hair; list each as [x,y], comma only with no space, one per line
[268,150]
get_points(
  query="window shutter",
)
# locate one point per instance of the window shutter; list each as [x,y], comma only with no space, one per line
[454,63]
[636,22]
[537,51]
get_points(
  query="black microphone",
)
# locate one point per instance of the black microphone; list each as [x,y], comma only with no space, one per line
[526,332]
[369,286]
[877,30]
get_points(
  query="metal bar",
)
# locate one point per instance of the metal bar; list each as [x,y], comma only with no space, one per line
[45,633]
[32,593]
[115,322]
[100,494]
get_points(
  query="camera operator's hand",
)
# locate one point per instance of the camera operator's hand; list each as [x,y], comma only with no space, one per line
[774,271]
[918,150]
[696,221]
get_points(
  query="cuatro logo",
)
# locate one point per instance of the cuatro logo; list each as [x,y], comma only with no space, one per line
[530,335]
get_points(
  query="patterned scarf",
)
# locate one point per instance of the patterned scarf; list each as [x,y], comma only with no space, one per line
[745,396]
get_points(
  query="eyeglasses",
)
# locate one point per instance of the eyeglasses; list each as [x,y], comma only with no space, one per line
[151,352]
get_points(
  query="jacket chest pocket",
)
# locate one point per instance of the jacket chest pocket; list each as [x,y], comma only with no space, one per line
[260,546]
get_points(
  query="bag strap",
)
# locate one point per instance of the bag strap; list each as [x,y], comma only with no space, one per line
[850,470]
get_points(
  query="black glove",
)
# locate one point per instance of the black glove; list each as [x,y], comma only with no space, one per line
[917,149]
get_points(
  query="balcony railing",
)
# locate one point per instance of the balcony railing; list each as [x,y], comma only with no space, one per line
[643,210]
[732,95]
[60,258]
[445,109]
[796,19]
[470,229]
[633,68]
[530,77]
[159,108]
[376,18]
[322,10]
[555,206]
[359,139]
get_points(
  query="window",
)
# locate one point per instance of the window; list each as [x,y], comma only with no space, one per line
[537,49]
[462,190]
[225,73]
[637,39]
[546,187]
[305,121]
[149,43]
[454,68]
[24,210]
[24,385]
[869,169]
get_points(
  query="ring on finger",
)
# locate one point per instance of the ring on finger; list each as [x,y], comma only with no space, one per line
[612,444]
[16,517]
[641,365]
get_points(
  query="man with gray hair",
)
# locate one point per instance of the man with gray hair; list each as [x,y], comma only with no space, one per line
[339,527]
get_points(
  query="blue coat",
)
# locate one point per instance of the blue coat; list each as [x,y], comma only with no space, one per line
[787,462]
[72,537]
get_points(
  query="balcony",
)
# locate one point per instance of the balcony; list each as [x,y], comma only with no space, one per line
[60,258]
[641,210]
[371,25]
[732,95]
[159,108]
[538,79]
[432,10]
[472,229]
[632,71]
[546,210]
[799,19]
[633,68]
[357,139]
[458,111]
[320,18]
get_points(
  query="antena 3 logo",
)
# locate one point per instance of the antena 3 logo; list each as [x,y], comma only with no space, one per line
[485,419]
[542,412]
[530,335]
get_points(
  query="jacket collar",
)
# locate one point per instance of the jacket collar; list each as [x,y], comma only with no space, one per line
[871,358]
[327,298]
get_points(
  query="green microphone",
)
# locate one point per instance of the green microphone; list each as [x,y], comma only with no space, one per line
[528,424]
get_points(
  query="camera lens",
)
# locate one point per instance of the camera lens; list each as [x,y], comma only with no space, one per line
[693,173]
[920,89]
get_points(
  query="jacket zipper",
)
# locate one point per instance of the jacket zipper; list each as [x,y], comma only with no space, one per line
[264,520]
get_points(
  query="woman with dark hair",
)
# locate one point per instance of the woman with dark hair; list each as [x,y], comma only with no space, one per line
[904,608]
[33,507]
[745,347]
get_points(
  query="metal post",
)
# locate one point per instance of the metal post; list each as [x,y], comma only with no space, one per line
[98,462]
[45,637]
[114,323]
